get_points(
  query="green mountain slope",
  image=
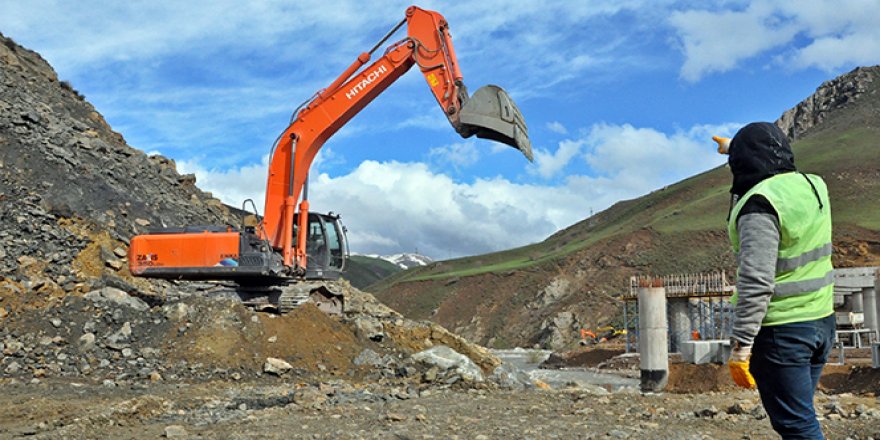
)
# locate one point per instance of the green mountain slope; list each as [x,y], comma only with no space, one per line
[362,271]
[541,293]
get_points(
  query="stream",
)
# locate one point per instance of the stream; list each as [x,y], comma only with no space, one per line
[528,361]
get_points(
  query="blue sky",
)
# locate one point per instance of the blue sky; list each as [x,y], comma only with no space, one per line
[621,98]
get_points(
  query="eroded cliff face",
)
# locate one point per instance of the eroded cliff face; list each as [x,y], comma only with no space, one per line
[833,95]
[72,192]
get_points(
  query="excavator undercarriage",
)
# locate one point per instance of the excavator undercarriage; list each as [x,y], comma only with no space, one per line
[282,297]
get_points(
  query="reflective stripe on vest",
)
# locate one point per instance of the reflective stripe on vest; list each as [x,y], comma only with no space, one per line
[804,284]
[789,264]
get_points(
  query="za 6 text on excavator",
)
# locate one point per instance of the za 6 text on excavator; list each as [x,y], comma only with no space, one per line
[292,255]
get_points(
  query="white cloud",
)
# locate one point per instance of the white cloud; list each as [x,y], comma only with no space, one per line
[557,127]
[814,33]
[391,206]
[642,159]
[549,164]
[233,185]
[459,155]
[417,208]
[720,41]
[828,53]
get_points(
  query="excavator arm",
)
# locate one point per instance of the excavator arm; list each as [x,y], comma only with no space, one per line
[276,251]
[428,44]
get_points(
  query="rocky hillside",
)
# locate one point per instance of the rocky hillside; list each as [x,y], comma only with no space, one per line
[542,293]
[72,192]
[828,105]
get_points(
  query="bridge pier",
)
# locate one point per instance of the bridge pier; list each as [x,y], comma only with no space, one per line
[679,323]
[653,339]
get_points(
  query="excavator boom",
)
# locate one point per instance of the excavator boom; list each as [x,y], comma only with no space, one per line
[280,247]
[491,114]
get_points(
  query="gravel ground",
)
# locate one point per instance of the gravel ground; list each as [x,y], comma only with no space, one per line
[342,410]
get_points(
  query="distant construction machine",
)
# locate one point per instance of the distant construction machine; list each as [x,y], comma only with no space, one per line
[288,257]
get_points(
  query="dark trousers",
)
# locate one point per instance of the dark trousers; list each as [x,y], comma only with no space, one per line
[786,363]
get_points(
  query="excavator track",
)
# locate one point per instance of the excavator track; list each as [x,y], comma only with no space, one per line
[285,297]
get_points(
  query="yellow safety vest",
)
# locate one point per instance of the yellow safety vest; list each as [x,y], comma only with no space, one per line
[804,288]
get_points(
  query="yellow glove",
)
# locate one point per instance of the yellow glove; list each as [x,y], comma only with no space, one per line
[739,366]
[723,144]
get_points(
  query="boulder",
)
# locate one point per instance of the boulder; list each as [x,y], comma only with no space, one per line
[177,311]
[369,327]
[116,296]
[446,358]
[276,366]
[369,358]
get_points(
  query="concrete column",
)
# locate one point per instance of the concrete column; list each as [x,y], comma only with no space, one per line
[877,289]
[858,303]
[869,297]
[653,338]
[679,323]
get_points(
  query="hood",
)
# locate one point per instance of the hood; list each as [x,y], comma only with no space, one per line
[758,151]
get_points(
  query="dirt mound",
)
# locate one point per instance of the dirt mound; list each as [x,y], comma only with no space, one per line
[835,379]
[109,335]
[850,379]
[225,334]
[692,378]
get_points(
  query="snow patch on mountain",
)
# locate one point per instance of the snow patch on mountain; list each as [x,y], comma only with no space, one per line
[404,260]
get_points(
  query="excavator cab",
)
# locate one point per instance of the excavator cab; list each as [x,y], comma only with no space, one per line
[326,246]
[491,114]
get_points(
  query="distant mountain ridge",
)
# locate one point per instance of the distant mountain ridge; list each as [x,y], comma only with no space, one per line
[542,293]
[365,270]
[404,260]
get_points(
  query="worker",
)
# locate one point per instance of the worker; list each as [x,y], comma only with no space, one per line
[780,227]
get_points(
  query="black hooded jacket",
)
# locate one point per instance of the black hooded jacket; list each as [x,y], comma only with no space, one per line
[758,151]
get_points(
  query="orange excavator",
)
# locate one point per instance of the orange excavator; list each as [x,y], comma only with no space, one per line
[287,257]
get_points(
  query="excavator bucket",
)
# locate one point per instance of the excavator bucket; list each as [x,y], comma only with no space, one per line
[491,114]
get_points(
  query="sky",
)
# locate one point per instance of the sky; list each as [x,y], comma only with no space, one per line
[621,98]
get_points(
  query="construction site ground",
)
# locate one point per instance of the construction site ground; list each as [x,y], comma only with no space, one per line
[341,410]
[110,365]
[195,371]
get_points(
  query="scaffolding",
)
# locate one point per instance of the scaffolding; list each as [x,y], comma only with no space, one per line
[711,317]
[709,313]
